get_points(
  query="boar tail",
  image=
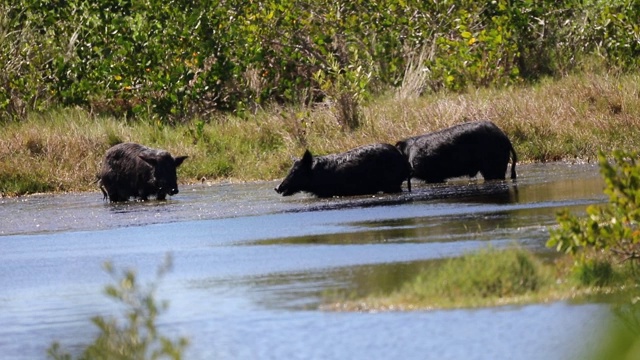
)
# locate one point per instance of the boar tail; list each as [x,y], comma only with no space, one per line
[513,164]
[98,181]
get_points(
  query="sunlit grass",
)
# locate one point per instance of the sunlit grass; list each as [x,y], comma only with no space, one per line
[566,119]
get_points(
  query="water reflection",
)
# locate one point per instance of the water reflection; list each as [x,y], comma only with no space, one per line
[250,264]
[132,207]
[302,291]
[468,222]
[88,211]
[492,192]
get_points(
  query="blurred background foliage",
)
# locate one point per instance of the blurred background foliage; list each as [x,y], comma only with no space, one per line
[176,59]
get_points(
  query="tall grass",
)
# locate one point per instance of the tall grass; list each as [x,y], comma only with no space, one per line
[566,119]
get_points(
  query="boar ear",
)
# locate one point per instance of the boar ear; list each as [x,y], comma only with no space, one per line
[178,161]
[150,159]
[307,158]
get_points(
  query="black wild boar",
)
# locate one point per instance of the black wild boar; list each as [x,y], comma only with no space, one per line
[133,170]
[461,150]
[364,170]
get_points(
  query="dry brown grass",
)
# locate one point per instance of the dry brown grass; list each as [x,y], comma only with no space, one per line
[567,119]
[60,151]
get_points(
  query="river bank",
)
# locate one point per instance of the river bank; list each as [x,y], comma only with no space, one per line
[567,119]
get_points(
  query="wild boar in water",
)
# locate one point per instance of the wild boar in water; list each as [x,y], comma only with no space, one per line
[364,170]
[133,170]
[461,150]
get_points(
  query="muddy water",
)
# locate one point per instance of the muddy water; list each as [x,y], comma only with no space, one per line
[250,268]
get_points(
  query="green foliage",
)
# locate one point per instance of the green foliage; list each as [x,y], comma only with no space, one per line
[113,139]
[12,184]
[346,87]
[175,60]
[613,228]
[594,272]
[616,31]
[489,273]
[138,337]
[621,337]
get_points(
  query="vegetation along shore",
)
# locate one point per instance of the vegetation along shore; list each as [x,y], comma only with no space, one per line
[566,119]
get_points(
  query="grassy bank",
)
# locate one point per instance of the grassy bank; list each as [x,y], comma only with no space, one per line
[492,277]
[566,119]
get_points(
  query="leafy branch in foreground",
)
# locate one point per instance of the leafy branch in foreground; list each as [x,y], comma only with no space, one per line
[612,229]
[610,232]
[137,337]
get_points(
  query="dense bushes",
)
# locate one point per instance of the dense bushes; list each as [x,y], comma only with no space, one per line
[176,59]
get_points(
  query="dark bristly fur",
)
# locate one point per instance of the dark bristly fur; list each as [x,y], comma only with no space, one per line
[133,170]
[461,150]
[364,170]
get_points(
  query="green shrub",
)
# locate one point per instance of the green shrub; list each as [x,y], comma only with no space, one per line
[614,227]
[594,272]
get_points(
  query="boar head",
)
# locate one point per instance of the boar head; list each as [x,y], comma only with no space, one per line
[299,176]
[164,171]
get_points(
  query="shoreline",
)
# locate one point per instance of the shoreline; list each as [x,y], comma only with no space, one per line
[568,119]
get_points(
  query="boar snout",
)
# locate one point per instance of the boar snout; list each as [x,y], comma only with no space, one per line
[282,190]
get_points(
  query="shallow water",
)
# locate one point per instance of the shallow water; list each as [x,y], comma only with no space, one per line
[250,268]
